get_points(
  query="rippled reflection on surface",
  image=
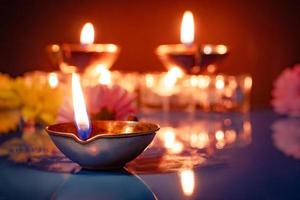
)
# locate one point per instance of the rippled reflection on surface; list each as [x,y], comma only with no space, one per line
[185,144]
[180,145]
[286,136]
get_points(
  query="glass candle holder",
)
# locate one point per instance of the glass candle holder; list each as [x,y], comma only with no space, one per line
[66,56]
[163,91]
[222,93]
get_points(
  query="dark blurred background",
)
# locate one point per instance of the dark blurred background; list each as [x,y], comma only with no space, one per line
[264,36]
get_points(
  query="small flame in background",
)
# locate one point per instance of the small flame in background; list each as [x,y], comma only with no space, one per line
[81,117]
[187,33]
[53,80]
[187,180]
[87,34]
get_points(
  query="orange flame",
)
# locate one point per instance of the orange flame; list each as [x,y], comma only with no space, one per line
[87,34]
[187,33]
[81,117]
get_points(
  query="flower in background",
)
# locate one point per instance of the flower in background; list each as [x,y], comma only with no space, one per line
[103,103]
[286,92]
[9,120]
[9,98]
[9,103]
[286,136]
[39,102]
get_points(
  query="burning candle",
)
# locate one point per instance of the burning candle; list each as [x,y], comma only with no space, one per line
[80,113]
[184,55]
[84,55]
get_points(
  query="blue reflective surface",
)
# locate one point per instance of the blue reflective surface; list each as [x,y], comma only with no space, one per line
[265,168]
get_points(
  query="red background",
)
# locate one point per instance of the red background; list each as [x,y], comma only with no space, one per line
[264,36]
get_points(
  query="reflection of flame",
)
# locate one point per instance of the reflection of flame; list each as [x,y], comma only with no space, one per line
[87,34]
[219,135]
[53,80]
[104,74]
[230,136]
[170,142]
[200,140]
[187,28]
[187,179]
[81,116]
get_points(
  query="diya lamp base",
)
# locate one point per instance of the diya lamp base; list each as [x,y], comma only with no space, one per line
[191,58]
[184,56]
[110,145]
[83,55]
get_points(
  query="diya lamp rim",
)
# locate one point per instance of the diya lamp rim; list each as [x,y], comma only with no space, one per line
[103,135]
[189,48]
[176,49]
[95,47]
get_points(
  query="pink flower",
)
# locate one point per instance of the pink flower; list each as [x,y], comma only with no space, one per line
[286,136]
[103,103]
[286,92]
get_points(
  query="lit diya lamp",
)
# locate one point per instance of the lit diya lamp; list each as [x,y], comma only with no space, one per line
[99,144]
[189,56]
[86,54]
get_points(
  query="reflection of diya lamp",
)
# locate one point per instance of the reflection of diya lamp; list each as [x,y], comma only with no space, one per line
[85,54]
[100,144]
[103,185]
[189,56]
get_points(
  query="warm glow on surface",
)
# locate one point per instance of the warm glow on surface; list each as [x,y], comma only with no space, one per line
[53,80]
[187,179]
[87,34]
[170,141]
[200,140]
[104,75]
[187,33]
[80,113]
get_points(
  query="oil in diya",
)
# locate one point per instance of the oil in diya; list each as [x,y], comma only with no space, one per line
[99,144]
[83,55]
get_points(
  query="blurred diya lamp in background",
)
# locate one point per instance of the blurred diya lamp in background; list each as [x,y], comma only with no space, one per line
[188,56]
[99,144]
[84,55]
